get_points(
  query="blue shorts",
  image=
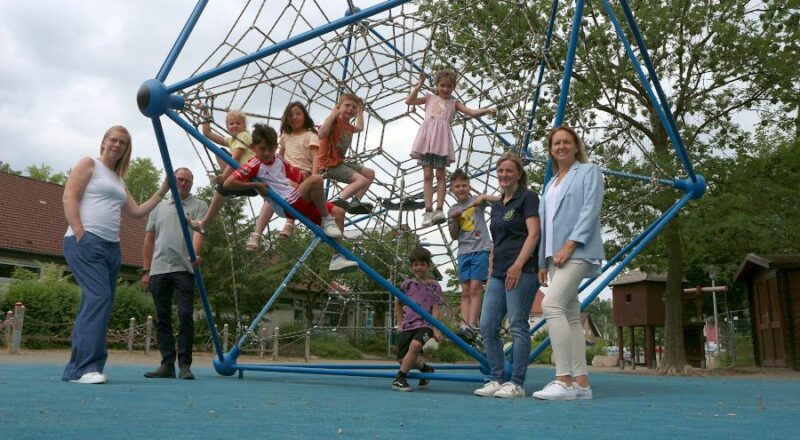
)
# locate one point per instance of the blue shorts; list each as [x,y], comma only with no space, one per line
[474,266]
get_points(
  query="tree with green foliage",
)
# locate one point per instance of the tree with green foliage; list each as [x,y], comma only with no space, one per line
[143,179]
[45,173]
[708,54]
[6,168]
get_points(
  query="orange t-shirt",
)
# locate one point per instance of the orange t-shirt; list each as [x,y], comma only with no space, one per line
[333,149]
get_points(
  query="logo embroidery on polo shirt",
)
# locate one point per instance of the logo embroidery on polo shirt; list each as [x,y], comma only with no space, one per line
[508,215]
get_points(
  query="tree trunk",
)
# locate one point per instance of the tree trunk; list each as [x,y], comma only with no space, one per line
[674,360]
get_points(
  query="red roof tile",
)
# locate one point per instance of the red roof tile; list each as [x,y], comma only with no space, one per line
[32,220]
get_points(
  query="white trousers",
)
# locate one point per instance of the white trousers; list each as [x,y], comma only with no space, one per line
[561,309]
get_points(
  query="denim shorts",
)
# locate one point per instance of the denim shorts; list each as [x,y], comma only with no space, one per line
[433,160]
[473,266]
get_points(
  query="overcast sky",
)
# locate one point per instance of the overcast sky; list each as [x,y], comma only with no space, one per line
[72,69]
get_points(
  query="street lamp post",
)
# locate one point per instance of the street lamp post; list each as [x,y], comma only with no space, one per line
[713,271]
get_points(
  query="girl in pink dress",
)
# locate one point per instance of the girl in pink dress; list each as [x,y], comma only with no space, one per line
[433,146]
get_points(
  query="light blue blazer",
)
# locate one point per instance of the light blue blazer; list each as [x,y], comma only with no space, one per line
[577,214]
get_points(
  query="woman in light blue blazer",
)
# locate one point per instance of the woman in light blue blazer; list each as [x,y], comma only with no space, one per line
[571,249]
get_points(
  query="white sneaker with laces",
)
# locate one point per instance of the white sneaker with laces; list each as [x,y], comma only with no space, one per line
[91,378]
[510,390]
[330,228]
[582,393]
[438,217]
[488,389]
[341,264]
[427,219]
[556,390]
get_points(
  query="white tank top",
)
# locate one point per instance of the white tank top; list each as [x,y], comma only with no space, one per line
[102,203]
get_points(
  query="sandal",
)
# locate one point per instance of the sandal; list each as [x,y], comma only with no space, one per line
[253,242]
[288,230]
[195,225]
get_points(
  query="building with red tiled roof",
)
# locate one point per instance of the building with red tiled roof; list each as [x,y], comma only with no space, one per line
[32,226]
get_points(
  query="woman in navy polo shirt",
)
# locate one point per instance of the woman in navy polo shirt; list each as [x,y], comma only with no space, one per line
[512,284]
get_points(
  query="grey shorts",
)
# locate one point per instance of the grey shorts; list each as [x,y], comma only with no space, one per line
[433,160]
[344,172]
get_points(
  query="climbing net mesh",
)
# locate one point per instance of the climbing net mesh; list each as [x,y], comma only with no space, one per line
[379,59]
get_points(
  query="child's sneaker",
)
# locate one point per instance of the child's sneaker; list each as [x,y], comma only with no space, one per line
[489,389]
[359,207]
[427,219]
[330,227]
[342,203]
[341,264]
[425,369]
[401,384]
[510,390]
[438,217]
[582,393]
[466,334]
[556,390]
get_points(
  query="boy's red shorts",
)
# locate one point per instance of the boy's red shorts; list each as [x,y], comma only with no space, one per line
[309,210]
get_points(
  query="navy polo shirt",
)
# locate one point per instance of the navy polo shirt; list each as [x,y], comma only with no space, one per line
[509,231]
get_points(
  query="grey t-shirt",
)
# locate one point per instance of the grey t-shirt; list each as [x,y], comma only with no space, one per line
[169,253]
[473,235]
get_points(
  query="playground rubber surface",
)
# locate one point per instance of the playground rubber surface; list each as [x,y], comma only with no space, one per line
[36,404]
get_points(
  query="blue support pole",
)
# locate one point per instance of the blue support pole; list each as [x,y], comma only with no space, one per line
[284,284]
[286,44]
[198,278]
[665,122]
[659,225]
[181,40]
[359,373]
[568,66]
[678,141]
[531,119]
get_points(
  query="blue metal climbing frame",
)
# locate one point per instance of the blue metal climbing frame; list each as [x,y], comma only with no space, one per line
[156,99]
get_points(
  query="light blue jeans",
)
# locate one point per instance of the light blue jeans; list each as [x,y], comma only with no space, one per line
[516,305]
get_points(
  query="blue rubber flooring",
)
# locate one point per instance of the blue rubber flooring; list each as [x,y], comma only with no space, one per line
[35,404]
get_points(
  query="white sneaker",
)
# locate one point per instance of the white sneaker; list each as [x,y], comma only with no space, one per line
[330,227]
[582,393]
[510,390]
[91,378]
[427,219]
[556,390]
[488,389]
[341,264]
[438,217]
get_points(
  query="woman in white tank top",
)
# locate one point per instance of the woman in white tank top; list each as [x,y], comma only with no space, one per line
[94,197]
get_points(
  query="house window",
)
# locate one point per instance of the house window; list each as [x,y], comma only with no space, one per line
[628,297]
[7,269]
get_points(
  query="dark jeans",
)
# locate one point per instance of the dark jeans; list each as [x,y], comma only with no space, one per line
[162,287]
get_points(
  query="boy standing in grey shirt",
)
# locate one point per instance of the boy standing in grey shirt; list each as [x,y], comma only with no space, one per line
[467,224]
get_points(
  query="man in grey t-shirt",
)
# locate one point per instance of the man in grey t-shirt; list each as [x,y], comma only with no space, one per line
[167,271]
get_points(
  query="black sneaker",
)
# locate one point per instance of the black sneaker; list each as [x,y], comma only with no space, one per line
[359,207]
[400,384]
[342,203]
[425,369]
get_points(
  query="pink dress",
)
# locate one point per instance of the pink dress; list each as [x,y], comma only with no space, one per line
[435,135]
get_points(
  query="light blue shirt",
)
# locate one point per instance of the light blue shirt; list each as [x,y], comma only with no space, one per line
[576,215]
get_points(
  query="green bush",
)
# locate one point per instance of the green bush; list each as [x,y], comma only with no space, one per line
[372,345]
[50,306]
[331,347]
[51,303]
[595,350]
[448,352]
